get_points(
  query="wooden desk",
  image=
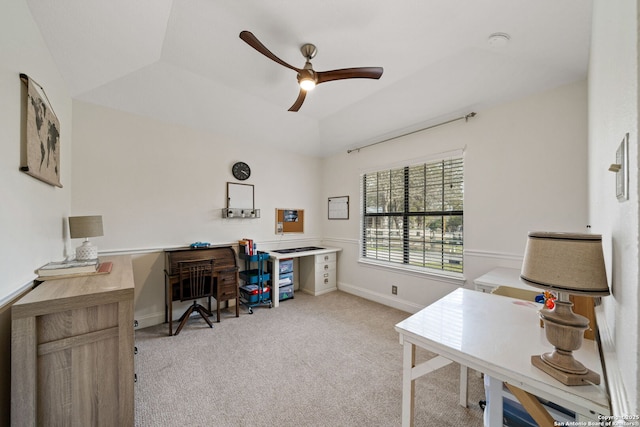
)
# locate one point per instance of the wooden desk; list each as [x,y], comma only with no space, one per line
[495,335]
[72,351]
[225,270]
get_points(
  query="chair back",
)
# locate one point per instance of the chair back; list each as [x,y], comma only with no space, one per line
[196,279]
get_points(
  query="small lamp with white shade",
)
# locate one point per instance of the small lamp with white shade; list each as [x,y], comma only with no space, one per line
[83,227]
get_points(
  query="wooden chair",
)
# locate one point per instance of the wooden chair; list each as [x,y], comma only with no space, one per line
[196,281]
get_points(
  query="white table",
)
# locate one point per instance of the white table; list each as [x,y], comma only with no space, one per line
[495,335]
[275,258]
[502,276]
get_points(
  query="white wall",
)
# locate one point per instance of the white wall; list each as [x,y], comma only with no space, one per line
[159,185]
[525,169]
[613,112]
[32,212]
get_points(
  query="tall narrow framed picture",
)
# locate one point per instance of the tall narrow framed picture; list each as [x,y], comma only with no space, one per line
[622,176]
[339,207]
[40,151]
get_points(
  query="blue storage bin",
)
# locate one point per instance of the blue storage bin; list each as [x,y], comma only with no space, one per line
[253,276]
[285,266]
[260,256]
[251,293]
[286,292]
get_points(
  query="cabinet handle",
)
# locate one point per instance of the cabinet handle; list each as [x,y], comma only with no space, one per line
[326,281]
[135,349]
[326,274]
[326,267]
[135,378]
[135,323]
[326,257]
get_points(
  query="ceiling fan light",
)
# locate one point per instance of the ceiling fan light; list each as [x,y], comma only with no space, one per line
[307,83]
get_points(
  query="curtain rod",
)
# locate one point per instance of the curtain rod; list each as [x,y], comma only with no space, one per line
[465,118]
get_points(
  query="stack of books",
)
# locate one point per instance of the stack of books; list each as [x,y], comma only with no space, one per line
[64,268]
[247,246]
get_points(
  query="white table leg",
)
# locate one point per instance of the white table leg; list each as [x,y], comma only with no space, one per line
[275,279]
[408,384]
[464,390]
[494,401]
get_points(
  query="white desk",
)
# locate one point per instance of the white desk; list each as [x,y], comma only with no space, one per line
[502,277]
[495,335]
[275,258]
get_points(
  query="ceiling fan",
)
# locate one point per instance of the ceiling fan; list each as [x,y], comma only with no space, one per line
[307,77]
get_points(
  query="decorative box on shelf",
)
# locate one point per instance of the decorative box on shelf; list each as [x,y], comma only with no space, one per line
[240,213]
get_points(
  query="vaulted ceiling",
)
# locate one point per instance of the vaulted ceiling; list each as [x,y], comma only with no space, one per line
[182,61]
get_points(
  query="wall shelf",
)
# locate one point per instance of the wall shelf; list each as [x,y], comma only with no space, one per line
[240,213]
[239,197]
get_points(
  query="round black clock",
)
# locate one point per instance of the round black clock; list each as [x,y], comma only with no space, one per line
[241,171]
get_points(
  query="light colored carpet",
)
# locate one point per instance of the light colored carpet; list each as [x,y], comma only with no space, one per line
[330,360]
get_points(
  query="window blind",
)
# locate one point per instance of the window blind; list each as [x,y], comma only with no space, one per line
[413,215]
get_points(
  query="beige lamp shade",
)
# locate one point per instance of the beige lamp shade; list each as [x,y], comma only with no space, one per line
[565,262]
[81,227]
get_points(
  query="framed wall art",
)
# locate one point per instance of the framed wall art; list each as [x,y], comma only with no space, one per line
[339,207]
[622,176]
[40,150]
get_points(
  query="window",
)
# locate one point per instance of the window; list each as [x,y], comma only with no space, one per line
[413,215]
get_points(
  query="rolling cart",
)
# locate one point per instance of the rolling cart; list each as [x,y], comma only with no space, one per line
[254,292]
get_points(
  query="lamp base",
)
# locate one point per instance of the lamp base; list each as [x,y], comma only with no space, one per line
[86,251]
[566,378]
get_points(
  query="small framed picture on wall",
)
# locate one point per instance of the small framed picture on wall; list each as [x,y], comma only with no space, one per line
[339,207]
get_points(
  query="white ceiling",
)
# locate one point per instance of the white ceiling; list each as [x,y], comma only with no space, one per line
[182,61]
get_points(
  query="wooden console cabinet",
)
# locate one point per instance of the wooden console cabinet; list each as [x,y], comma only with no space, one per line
[72,349]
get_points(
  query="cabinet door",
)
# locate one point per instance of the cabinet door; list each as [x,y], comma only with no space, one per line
[78,381]
[84,367]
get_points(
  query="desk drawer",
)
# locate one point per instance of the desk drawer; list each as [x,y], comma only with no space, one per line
[227,277]
[227,285]
[326,258]
[227,292]
[325,279]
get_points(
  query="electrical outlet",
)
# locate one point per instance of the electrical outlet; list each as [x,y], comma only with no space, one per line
[394,289]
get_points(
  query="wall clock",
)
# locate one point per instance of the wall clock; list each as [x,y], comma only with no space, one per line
[241,171]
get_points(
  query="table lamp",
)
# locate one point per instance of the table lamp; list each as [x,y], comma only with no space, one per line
[566,263]
[83,227]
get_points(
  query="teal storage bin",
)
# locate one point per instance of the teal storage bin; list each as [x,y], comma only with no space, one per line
[251,293]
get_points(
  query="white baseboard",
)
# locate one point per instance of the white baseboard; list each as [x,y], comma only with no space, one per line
[153,319]
[312,293]
[150,320]
[380,298]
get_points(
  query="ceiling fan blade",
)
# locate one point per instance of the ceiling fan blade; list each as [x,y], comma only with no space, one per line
[296,105]
[252,41]
[349,73]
